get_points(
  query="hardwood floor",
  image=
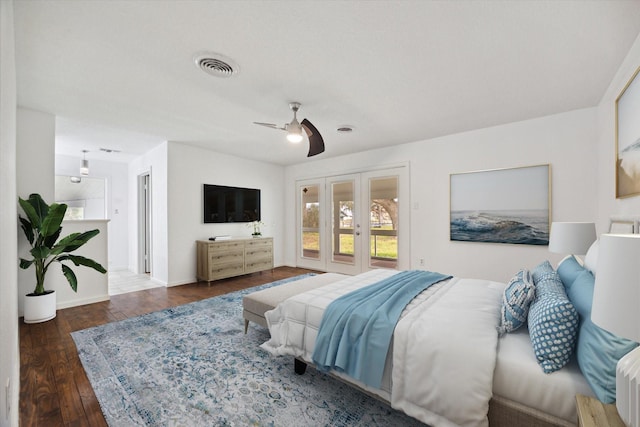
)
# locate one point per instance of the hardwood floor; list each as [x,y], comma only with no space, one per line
[54,389]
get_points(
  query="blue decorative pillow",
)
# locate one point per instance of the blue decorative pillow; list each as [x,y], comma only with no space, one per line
[598,351]
[568,269]
[553,322]
[515,302]
[540,270]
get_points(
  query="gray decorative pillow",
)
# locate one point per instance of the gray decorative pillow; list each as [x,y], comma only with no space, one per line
[515,302]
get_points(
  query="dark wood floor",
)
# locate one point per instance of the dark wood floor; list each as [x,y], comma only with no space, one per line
[54,389]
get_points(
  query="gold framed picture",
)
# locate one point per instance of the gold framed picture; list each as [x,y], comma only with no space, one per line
[510,205]
[628,139]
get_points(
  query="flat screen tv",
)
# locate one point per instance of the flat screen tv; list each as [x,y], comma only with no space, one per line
[231,204]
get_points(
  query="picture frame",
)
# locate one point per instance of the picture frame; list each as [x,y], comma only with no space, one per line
[622,227]
[511,205]
[628,139]
[624,224]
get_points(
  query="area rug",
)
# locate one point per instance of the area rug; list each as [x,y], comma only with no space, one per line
[193,365]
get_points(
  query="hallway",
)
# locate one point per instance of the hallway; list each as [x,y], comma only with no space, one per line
[124,281]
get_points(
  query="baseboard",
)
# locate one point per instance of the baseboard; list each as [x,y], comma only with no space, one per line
[83,301]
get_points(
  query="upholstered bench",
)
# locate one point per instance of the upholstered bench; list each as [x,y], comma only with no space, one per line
[255,304]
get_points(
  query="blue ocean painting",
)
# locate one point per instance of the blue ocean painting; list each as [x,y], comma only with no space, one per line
[524,227]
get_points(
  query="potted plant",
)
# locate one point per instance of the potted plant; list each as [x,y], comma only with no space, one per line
[42,227]
[256,228]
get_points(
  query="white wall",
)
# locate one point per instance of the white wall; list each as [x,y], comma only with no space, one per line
[606,145]
[117,203]
[35,171]
[35,153]
[190,168]
[9,356]
[566,141]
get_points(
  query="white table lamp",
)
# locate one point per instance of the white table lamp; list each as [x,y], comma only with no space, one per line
[573,238]
[616,308]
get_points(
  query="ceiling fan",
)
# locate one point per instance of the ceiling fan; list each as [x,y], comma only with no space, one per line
[294,131]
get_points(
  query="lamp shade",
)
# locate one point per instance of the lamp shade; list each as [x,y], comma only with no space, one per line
[616,295]
[571,237]
[84,165]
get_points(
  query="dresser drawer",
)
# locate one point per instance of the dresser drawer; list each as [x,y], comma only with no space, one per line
[259,244]
[251,253]
[258,265]
[230,258]
[222,271]
[226,247]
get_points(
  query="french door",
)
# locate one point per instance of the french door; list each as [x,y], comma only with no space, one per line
[344,224]
[354,223]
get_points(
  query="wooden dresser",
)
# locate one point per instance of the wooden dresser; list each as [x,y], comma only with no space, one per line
[229,258]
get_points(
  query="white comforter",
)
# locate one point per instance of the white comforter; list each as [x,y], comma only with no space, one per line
[444,346]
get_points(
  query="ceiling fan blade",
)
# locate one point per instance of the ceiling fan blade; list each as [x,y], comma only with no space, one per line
[316,143]
[269,125]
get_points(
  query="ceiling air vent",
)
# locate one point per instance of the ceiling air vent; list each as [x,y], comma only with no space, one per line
[217,65]
[344,129]
[109,150]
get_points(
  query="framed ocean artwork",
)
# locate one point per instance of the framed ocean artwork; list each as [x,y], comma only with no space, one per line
[501,205]
[628,139]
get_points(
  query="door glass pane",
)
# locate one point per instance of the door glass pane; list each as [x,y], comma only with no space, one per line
[383,222]
[342,221]
[310,222]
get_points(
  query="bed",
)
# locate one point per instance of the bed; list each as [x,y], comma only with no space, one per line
[482,379]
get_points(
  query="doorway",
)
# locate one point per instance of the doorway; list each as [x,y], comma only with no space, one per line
[354,223]
[144,223]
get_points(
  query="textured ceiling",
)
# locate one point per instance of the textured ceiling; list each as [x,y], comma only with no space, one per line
[121,74]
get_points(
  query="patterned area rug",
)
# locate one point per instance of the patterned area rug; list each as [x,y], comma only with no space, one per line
[193,365]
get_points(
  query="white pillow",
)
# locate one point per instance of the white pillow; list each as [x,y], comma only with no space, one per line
[591,259]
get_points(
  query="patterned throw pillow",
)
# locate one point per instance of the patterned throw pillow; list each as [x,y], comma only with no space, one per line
[553,322]
[515,302]
[540,270]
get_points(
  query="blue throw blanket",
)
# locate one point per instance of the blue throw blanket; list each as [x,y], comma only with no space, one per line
[356,329]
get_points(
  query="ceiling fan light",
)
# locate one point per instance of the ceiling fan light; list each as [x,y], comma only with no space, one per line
[294,131]
[294,137]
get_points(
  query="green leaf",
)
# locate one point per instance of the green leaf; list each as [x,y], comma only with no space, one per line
[74,241]
[80,260]
[24,264]
[31,212]
[71,277]
[67,244]
[68,239]
[40,252]
[27,228]
[51,223]
[40,206]
[50,241]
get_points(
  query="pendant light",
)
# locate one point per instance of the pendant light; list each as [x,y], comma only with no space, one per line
[84,166]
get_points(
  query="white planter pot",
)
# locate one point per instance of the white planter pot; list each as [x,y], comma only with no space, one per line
[39,308]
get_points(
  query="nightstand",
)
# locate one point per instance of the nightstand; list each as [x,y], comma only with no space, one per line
[593,413]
